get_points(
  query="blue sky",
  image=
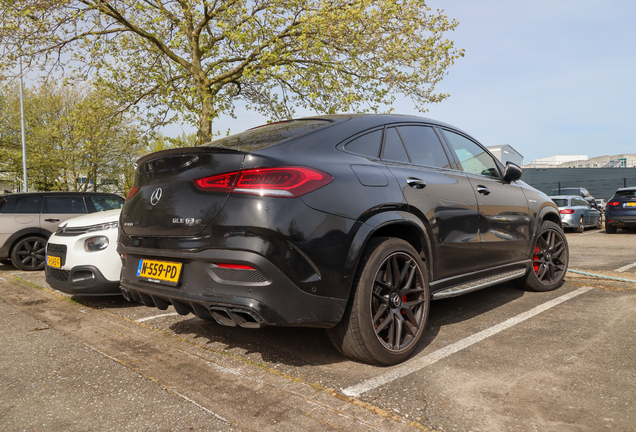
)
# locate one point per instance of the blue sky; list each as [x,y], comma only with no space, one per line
[547,77]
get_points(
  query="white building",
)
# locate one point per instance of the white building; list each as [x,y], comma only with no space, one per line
[582,161]
[505,153]
[556,160]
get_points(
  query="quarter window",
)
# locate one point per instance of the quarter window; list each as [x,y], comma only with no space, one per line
[472,157]
[366,145]
[393,147]
[23,204]
[423,146]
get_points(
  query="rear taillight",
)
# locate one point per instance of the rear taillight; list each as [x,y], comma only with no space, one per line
[133,191]
[612,203]
[566,211]
[284,182]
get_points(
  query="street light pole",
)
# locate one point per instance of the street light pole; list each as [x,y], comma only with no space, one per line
[24,168]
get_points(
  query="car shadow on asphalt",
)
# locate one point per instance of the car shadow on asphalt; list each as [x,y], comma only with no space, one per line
[298,347]
[105,302]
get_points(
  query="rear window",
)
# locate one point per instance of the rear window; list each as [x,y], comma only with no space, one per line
[625,193]
[267,135]
[561,202]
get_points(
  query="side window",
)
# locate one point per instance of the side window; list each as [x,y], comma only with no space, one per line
[64,205]
[473,158]
[107,203]
[366,145]
[23,204]
[393,147]
[423,146]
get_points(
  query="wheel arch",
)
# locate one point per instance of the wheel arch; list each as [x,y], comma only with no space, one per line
[5,250]
[400,224]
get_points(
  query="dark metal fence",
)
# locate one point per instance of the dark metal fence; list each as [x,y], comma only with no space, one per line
[601,182]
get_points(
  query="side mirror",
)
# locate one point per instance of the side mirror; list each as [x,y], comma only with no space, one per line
[512,172]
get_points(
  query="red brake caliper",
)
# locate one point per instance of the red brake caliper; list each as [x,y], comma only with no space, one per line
[536,258]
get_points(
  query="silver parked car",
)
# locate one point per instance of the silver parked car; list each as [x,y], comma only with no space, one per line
[577,213]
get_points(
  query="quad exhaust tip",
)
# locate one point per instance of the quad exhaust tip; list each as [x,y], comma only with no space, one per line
[226,316]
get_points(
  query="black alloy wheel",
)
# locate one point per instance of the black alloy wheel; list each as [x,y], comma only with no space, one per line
[550,257]
[29,253]
[389,310]
[398,301]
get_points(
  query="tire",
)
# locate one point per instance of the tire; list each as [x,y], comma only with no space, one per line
[29,253]
[550,258]
[388,310]
[580,227]
[610,229]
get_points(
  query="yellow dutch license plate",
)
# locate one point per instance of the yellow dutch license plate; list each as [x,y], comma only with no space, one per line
[53,261]
[159,271]
[630,204]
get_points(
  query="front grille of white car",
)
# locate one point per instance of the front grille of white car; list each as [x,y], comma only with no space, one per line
[58,274]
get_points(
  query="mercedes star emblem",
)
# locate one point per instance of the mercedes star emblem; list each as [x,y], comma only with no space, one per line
[156,196]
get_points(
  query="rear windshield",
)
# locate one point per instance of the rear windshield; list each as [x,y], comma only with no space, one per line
[264,136]
[565,191]
[625,193]
[560,202]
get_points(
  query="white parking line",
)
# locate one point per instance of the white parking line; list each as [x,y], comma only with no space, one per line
[625,268]
[416,364]
[591,232]
[156,316]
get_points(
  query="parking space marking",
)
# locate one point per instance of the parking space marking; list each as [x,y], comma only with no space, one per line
[590,232]
[156,316]
[625,268]
[416,364]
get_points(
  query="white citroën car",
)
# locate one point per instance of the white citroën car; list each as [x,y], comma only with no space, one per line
[82,258]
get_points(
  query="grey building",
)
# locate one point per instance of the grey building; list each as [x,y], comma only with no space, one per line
[505,153]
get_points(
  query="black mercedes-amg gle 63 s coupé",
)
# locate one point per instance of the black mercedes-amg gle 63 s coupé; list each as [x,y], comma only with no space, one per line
[353,223]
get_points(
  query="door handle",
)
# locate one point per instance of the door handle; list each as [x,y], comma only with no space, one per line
[483,190]
[52,220]
[415,183]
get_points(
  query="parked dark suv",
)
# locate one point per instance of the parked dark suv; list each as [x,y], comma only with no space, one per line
[27,220]
[620,211]
[347,222]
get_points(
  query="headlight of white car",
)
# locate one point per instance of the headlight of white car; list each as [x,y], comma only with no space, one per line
[95,244]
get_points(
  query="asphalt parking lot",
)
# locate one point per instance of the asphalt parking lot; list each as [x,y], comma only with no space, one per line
[500,359]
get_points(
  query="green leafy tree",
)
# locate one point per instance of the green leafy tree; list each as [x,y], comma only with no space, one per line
[77,140]
[195,59]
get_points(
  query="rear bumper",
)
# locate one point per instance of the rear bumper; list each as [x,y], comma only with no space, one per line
[84,280]
[264,296]
[567,221]
[619,220]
